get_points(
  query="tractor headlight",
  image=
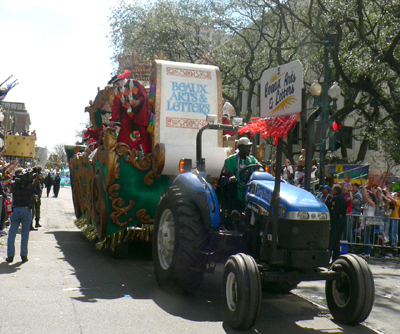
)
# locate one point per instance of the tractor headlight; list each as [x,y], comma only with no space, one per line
[322,216]
[303,215]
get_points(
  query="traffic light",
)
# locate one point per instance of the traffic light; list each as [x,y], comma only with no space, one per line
[335,135]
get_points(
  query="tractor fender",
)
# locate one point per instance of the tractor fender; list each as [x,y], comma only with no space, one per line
[204,195]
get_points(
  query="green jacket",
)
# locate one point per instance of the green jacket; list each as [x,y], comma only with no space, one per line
[233,165]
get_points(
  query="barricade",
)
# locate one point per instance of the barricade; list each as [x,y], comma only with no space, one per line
[377,232]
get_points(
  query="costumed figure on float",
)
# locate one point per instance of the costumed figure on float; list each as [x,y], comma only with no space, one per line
[131,108]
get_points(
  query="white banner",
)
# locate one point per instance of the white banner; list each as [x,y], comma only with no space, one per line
[189,94]
[281,90]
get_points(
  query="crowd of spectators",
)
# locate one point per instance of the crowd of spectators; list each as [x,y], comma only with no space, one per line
[25,133]
[372,215]
[372,212]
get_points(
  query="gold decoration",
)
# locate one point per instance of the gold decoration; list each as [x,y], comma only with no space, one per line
[157,74]
[82,175]
[158,158]
[117,204]
[141,216]
[140,71]
[122,149]
[160,56]
[143,163]
[106,155]
[102,102]
[149,178]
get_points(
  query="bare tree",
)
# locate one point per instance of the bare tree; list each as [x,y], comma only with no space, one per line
[59,151]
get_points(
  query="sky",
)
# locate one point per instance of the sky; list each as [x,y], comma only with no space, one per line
[59,52]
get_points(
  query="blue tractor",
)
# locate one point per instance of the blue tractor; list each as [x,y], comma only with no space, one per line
[279,240]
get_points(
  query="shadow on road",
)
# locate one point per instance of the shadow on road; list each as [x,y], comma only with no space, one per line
[103,277]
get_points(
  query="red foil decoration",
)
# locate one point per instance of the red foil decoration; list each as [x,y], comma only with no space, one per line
[276,127]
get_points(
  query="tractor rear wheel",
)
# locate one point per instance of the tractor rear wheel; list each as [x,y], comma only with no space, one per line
[179,241]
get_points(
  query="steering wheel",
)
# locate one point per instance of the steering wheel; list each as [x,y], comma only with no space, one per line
[244,174]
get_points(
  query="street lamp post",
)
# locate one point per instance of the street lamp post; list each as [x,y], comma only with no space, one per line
[334,94]
[330,40]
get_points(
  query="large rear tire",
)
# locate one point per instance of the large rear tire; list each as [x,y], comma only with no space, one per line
[350,299]
[179,241]
[241,288]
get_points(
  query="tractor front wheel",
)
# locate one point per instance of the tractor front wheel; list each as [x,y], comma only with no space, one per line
[241,288]
[350,298]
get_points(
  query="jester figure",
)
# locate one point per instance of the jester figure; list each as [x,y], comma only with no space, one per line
[131,107]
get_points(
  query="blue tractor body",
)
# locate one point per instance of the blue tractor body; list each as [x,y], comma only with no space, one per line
[278,238]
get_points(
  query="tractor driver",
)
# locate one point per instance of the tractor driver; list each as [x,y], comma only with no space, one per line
[234,164]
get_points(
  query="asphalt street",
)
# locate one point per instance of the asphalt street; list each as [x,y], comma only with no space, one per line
[68,286]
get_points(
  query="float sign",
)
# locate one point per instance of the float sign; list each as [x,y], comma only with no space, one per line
[281,90]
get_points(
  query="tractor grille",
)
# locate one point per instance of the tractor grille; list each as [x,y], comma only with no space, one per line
[303,235]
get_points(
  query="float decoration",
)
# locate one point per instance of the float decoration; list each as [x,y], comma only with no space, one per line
[276,127]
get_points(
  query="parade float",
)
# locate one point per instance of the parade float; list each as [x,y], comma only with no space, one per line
[116,190]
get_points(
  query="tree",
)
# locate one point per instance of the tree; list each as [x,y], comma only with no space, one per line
[58,157]
[176,28]
[366,59]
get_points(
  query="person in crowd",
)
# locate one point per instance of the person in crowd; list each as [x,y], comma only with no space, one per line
[349,201]
[387,212]
[298,175]
[394,221]
[235,163]
[356,203]
[288,172]
[131,107]
[227,112]
[369,200]
[325,195]
[48,182]
[346,186]
[22,196]
[56,184]
[379,200]
[337,208]
[37,201]
[314,170]
[3,216]
[302,155]
[329,180]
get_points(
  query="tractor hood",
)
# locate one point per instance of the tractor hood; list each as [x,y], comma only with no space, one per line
[292,199]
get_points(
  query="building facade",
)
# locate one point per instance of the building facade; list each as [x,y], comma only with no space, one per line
[16,117]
